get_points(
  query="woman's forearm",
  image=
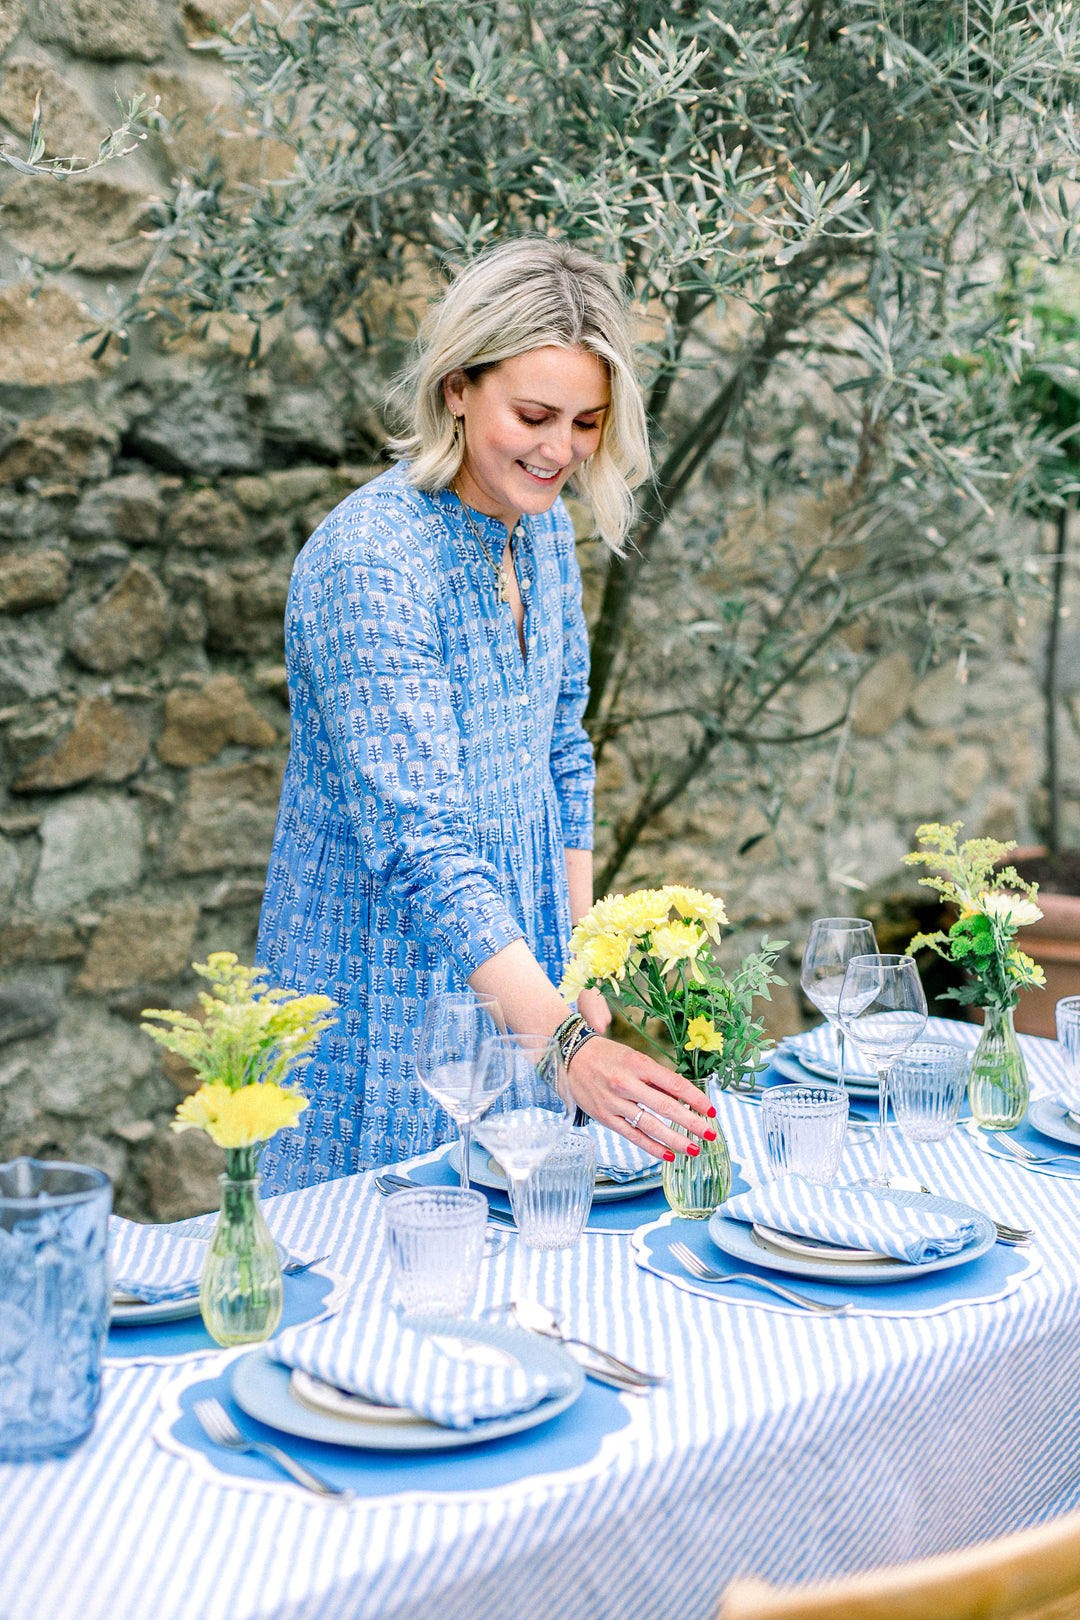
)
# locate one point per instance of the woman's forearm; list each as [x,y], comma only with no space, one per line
[579,881]
[530,1002]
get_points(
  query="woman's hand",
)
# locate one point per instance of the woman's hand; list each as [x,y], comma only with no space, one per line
[614,1084]
[595,1011]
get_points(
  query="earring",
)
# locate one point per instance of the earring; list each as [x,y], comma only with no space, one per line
[457,430]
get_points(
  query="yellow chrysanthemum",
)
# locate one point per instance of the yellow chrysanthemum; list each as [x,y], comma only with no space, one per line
[677,942]
[1025,969]
[694,905]
[703,1036]
[236,1119]
[575,979]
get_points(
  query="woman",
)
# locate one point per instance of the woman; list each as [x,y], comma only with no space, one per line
[436,818]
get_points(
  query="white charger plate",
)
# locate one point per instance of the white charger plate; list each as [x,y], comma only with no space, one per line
[796,1068]
[262,1388]
[736,1238]
[1051,1119]
[789,1243]
[487,1172]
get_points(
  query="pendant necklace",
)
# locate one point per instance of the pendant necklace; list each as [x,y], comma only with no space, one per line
[501,572]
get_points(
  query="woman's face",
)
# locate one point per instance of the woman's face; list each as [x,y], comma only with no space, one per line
[528,423]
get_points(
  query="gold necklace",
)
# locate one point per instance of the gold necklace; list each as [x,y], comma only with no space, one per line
[501,572]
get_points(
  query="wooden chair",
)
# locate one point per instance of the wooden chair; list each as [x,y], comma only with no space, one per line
[1034,1575]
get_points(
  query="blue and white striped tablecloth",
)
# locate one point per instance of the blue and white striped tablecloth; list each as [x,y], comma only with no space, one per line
[787,1447]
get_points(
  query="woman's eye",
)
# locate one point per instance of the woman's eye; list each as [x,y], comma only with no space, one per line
[586,427]
[531,421]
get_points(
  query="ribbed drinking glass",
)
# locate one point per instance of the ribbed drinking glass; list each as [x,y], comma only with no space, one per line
[552,1204]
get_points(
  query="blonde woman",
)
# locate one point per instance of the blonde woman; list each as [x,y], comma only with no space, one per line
[435,826]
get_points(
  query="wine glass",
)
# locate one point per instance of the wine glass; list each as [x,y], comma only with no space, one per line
[456,1025]
[883,1009]
[532,1110]
[832,943]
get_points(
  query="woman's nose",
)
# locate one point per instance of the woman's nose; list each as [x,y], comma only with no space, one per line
[558,444]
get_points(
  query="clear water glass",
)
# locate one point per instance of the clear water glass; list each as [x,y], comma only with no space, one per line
[883,1009]
[927,1085]
[552,1204]
[532,1109]
[54,1304]
[1067,1019]
[805,1128]
[831,944]
[435,1236]
[455,1026]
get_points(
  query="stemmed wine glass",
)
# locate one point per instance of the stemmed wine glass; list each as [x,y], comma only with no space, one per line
[532,1108]
[456,1025]
[883,1009]
[832,943]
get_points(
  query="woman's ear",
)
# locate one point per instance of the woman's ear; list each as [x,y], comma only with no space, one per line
[454,391]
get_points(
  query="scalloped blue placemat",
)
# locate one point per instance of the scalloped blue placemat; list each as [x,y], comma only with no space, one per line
[311,1295]
[1027,1136]
[574,1441]
[998,1273]
[619,1218]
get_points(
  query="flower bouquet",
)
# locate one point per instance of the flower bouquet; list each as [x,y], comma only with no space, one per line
[243,1048]
[993,903]
[653,955]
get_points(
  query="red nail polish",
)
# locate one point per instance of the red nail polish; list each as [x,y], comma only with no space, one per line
[710,1136]
[669,1158]
[693,1150]
[712,1113]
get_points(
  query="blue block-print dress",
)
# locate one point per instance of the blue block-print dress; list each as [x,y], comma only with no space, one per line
[434,780]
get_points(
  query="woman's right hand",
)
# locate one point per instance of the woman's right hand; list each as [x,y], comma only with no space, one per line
[616,1085]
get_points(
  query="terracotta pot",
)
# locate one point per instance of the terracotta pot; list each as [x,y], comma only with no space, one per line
[1055,944]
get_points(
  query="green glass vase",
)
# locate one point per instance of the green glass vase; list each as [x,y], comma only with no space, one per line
[693,1186]
[998,1088]
[241,1293]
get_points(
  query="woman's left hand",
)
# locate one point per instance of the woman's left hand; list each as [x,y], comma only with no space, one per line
[595,1011]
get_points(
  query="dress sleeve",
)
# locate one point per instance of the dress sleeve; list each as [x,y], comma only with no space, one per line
[365,633]
[572,768]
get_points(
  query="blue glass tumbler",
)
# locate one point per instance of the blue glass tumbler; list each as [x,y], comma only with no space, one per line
[54,1304]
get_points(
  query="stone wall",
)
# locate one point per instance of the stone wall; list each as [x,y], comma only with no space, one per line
[150,511]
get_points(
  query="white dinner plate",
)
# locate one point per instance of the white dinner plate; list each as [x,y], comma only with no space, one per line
[320,1396]
[793,1067]
[1051,1119]
[789,1243]
[487,1172]
[262,1388]
[736,1238]
[142,1315]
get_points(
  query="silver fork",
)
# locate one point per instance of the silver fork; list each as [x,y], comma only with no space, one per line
[388,1184]
[296,1268]
[697,1268]
[1025,1155]
[220,1428]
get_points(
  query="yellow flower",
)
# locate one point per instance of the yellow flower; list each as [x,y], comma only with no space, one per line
[235,1119]
[677,942]
[693,905]
[703,1036]
[1014,910]
[1026,970]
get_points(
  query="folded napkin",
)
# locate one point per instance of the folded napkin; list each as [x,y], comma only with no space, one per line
[615,1153]
[370,1350]
[820,1046]
[852,1218]
[153,1263]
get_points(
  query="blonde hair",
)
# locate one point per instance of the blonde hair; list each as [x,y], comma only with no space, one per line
[527,294]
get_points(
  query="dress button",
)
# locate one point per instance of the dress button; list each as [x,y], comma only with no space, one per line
[523,698]
[524,757]
[519,533]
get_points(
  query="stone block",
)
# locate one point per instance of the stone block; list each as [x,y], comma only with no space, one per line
[40,348]
[1002,690]
[26,1009]
[128,625]
[967,771]
[919,791]
[103,745]
[90,1148]
[89,844]
[10,869]
[296,486]
[939,698]
[866,851]
[229,817]
[139,944]
[101,29]
[203,519]
[181,1175]
[92,1063]
[68,125]
[192,431]
[95,219]
[12,17]
[198,724]
[205,19]
[1000,819]
[246,609]
[204,127]
[32,579]
[28,667]
[127,508]
[233,893]
[75,447]
[882,695]
[38,939]
[306,422]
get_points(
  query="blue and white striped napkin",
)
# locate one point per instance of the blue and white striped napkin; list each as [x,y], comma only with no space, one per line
[370,1350]
[152,1263]
[614,1152]
[819,1045]
[852,1218]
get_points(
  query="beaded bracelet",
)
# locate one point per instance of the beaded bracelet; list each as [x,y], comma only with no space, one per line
[572,1034]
